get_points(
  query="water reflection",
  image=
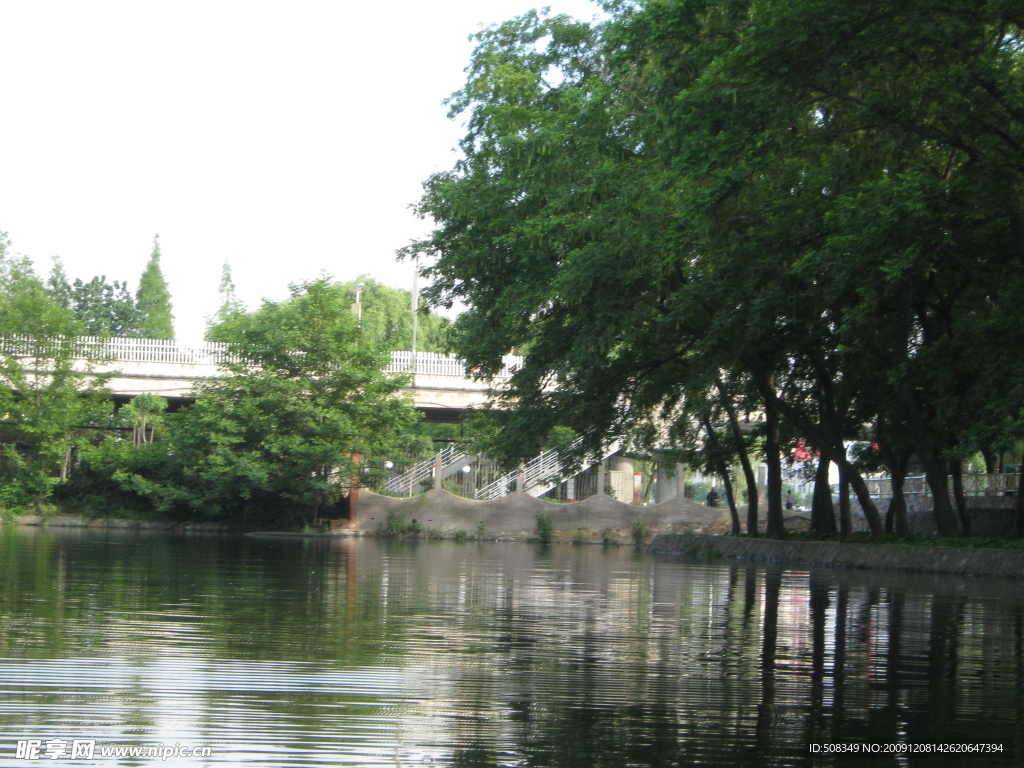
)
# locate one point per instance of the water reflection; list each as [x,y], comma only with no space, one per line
[288,652]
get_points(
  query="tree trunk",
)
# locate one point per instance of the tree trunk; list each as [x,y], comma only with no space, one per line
[734,513]
[823,514]
[956,469]
[896,518]
[775,525]
[935,473]
[845,519]
[65,465]
[867,504]
[748,470]
[723,471]
[991,460]
[1020,500]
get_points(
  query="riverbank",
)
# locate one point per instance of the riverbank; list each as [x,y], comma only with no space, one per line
[941,560]
[438,514]
[99,523]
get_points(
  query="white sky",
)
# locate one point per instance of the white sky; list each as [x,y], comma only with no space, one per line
[287,138]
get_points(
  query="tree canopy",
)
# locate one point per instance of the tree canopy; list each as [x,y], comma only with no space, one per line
[385,316]
[101,308]
[153,299]
[45,399]
[278,439]
[814,205]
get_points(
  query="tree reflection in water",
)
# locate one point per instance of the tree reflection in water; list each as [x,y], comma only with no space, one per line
[476,655]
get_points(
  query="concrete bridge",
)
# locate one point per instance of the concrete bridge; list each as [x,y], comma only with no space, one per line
[440,386]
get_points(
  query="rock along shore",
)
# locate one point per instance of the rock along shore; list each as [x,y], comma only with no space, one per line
[948,560]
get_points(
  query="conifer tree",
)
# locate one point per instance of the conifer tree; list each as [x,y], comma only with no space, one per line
[153,299]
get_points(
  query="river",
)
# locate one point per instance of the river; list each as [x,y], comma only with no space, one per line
[277,651]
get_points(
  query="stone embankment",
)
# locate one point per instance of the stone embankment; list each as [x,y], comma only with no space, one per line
[516,515]
[947,560]
[443,514]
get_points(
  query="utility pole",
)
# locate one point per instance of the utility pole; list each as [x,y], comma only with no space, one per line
[415,307]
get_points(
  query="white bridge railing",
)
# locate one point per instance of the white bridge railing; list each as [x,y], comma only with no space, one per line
[129,350]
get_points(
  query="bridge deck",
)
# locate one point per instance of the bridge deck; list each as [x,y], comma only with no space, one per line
[156,366]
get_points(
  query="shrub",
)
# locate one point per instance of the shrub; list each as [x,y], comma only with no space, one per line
[639,532]
[545,528]
[393,526]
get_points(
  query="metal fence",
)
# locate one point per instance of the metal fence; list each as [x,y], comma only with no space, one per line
[974,485]
[461,473]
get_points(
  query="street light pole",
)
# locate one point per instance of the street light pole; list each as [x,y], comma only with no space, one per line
[415,306]
[357,308]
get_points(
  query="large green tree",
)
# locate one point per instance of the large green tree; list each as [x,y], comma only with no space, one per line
[819,198]
[279,438]
[385,314]
[101,308]
[153,299]
[46,395]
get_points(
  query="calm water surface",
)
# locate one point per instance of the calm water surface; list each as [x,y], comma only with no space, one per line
[316,652]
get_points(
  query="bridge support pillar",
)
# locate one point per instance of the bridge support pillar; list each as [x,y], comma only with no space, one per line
[671,482]
[620,470]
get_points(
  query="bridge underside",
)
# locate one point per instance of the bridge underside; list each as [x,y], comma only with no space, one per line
[441,415]
[432,414]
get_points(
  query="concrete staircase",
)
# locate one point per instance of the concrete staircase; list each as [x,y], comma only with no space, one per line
[451,461]
[540,474]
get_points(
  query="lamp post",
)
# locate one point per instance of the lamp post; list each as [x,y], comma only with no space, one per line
[357,308]
[415,306]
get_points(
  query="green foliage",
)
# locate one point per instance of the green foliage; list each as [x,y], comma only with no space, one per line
[153,299]
[144,414]
[545,528]
[460,535]
[230,304]
[639,532]
[101,308]
[395,527]
[45,400]
[277,440]
[827,220]
[114,477]
[387,316]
